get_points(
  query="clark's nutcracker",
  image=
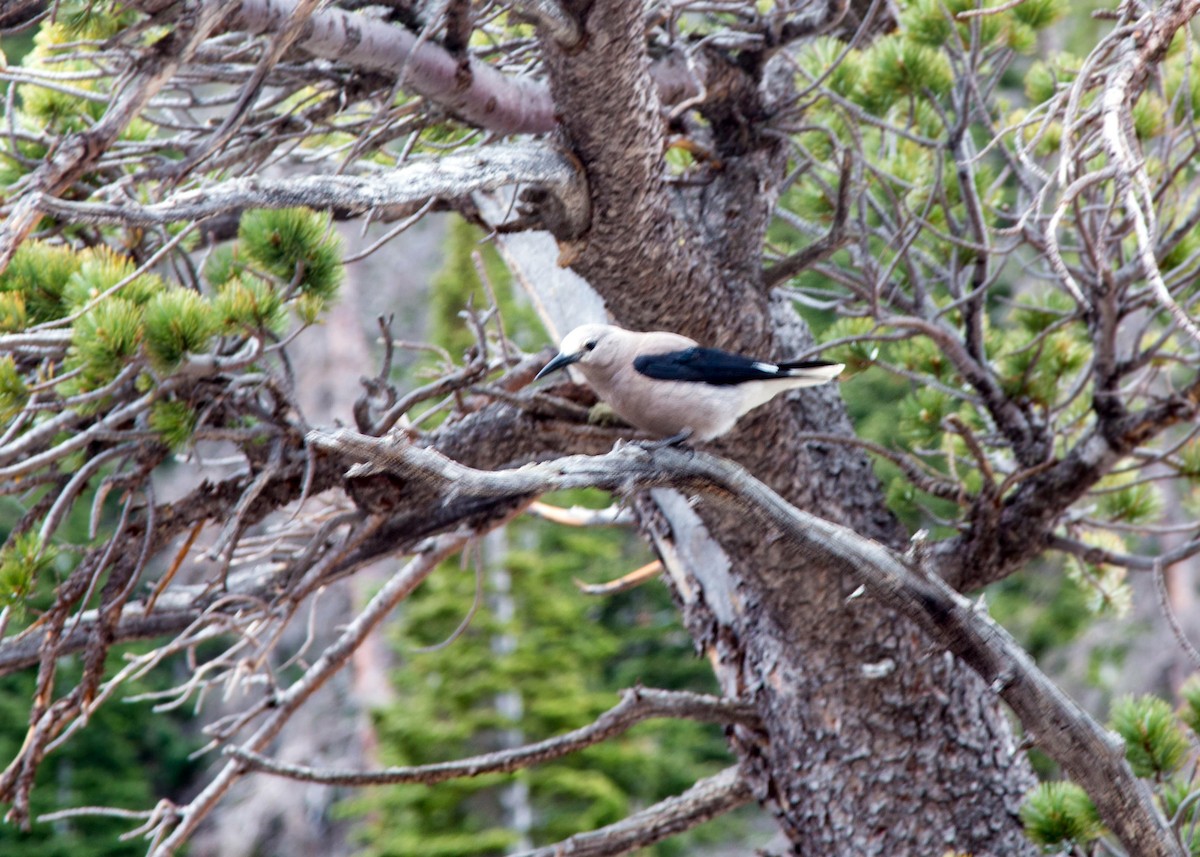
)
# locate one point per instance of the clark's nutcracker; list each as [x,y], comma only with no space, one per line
[668,385]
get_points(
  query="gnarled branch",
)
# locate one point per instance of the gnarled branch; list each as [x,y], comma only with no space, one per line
[637,704]
[1091,755]
[708,798]
[449,177]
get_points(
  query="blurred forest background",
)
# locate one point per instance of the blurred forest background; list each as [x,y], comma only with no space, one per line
[502,647]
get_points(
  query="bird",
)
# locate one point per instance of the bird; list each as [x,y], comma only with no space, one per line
[671,386]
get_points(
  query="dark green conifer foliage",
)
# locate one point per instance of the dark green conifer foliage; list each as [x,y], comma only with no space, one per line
[1058,815]
[1155,745]
[298,246]
[177,322]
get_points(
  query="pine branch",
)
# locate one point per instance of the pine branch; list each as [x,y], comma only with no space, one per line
[708,798]
[637,704]
[1090,754]
[450,177]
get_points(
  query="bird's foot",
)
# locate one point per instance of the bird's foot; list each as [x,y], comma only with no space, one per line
[677,439]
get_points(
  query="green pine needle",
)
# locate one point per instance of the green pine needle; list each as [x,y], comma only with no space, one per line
[177,322]
[1060,813]
[105,339]
[102,268]
[22,560]
[296,245]
[1039,14]
[1154,743]
[1190,711]
[898,69]
[249,303]
[174,421]
[40,272]
[13,392]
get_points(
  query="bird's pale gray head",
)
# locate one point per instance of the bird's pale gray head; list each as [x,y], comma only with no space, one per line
[590,345]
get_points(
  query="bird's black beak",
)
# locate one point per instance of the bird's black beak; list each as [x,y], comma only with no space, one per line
[560,361]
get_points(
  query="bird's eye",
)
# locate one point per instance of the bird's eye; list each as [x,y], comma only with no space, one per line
[590,346]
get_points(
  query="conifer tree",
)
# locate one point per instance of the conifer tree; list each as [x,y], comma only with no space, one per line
[1001,242]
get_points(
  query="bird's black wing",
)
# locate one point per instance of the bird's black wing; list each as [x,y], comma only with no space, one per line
[714,366]
[705,366]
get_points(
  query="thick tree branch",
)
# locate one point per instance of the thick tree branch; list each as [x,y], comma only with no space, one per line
[636,705]
[1092,756]
[471,89]
[1024,524]
[488,436]
[449,177]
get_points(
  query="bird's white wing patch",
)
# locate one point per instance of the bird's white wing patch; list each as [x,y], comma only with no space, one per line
[767,367]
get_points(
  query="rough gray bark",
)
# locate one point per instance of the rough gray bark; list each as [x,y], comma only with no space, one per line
[854,699]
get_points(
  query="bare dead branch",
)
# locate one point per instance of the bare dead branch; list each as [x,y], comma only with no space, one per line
[636,705]
[708,798]
[185,819]
[625,582]
[452,176]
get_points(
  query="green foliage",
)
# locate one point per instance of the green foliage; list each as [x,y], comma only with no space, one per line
[1039,14]
[1190,711]
[857,355]
[22,559]
[560,658]
[898,68]
[1149,116]
[930,22]
[94,19]
[1181,807]
[1136,503]
[248,303]
[60,112]
[104,339]
[102,268]
[819,57]
[1036,367]
[13,392]
[1058,814]
[222,265]
[177,322]
[1154,744]
[921,416]
[174,421]
[298,246]
[12,312]
[39,273]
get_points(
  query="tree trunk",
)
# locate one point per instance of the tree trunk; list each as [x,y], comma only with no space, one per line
[875,741]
